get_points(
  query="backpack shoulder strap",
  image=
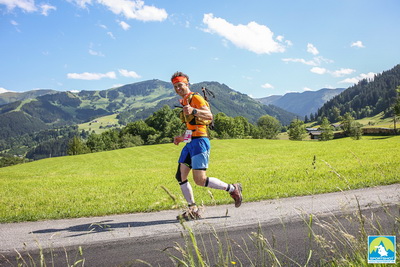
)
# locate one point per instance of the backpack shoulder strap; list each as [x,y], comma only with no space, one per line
[196,93]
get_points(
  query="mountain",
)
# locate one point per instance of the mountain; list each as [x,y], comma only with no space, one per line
[303,103]
[226,100]
[9,97]
[365,99]
[132,102]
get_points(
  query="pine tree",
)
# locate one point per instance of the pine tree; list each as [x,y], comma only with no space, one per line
[396,108]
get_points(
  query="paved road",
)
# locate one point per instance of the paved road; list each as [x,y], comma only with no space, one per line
[151,232]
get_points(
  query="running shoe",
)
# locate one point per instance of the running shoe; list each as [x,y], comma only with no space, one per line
[237,195]
[190,214]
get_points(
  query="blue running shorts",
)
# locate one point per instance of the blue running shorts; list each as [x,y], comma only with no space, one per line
[196,154]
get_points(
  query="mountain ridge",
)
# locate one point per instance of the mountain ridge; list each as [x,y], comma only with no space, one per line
[131,101]
[303,103]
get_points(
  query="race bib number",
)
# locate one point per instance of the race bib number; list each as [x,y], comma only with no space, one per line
[187,137]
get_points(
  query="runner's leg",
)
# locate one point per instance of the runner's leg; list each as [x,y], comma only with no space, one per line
[186,188]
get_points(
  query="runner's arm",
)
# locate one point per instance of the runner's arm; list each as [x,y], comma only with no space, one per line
[202,112]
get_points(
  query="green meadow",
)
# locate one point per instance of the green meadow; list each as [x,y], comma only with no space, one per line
[142,179]
[100,124]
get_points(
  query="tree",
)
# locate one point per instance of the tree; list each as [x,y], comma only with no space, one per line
[297,130]
[326,130]
[224,125]
[335,113]
[166,121]
[396,108]
[76,146]
[269,126]
[355,130]
[242,127]
[346,122]
[110,139]
[95,143]
[139,128]
[128,140]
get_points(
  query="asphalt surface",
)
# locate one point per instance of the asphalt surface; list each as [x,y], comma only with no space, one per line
[152,232]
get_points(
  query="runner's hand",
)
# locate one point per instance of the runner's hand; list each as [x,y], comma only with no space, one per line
[187,110]
[178,139]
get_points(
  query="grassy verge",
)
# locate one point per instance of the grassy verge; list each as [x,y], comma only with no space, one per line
[331,242]
[135,179]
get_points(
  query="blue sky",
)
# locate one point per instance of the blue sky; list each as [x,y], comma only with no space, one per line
[257,47]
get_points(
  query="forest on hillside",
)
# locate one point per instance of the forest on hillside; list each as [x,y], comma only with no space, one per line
[365,99]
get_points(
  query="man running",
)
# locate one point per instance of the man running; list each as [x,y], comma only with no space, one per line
[196,152]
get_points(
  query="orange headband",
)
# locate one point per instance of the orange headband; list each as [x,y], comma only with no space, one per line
[180,79]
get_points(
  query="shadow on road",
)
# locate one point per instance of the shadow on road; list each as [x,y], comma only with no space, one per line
[107,225]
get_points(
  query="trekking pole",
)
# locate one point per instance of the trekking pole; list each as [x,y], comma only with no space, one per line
[207,92]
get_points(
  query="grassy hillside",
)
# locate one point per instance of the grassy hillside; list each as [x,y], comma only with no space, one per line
[377,121]
[101,124]
[131,180]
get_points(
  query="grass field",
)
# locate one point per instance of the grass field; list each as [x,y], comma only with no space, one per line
[131,180]
[102,122]
[369,122]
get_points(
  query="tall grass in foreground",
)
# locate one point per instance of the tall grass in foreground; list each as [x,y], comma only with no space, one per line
[331,244]
[136,179]
[46,257]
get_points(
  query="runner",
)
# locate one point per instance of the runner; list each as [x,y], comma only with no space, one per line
[195,154]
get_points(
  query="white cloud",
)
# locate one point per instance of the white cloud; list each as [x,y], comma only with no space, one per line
[312,49]
[111,35]
[319,70]
[13,22]
[3,90]
[25,5]
[127,73]
[117,85]
[131,9]
[342,72]
[81,3]
[369,76]
[253,36]
[267,86]
[91,76]
[95,53]
[358,44]
[46,8]
[337,73]
[307,89]
[135,10]
[300,60]
[316,61]
[124,25]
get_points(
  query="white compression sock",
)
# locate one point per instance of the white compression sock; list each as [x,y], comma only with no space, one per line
[187,192]
[216,183]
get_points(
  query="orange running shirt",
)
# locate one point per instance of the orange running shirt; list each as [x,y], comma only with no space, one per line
[196,102]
